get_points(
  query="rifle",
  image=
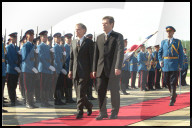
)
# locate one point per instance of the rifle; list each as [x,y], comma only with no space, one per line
[51,31]
[20,39]
[94,37]
[74,36]
[37,32]
[4,38]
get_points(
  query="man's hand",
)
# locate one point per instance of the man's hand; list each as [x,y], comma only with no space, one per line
[117,72]
[70,75]
[94,74]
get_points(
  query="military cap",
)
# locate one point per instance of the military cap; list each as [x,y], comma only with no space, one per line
[148,47]
[30,31]
[9,39]
[125,39]
[50,38]
[57,35]
[169,28]
[43,32]
[14,34]
[142,45]
[69,35]
[89,35]
[157,45]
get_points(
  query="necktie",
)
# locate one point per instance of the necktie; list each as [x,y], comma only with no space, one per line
[106,37]
[78,45]
[169,42]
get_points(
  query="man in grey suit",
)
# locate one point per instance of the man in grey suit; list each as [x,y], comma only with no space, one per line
[80,68]
[107,64]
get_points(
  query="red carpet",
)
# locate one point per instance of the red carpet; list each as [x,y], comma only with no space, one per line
[127,114]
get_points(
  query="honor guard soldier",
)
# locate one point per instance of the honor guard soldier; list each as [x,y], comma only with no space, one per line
[171,58]
[69,84]
[45,68]
[3,73]
[90,81]
[51,91]
[58,64]
[157,67]
[142,60]
[184,69]
[151,70]
[125,73]
[28,68]
[133,69]
[21,82]
[13,69]
[36,42]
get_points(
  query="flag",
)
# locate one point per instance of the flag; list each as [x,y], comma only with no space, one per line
[129,52]
[149,36]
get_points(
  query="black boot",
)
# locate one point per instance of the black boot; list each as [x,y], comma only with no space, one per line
[69,99]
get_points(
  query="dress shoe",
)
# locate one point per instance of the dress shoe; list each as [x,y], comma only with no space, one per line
[46,105]
[5,105]
[89,110]
[100,117]
[92,98]
[79,116]
[113,116]
[5,98]
[4,111]
[171,103]
[31,106]
[59,103]
[70,101]
[5,101]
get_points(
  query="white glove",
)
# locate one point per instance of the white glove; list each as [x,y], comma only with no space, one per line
[52,50]
[19,52]
[64,71]
[64,53]
[17,69]
[34,70]
[161,64]
[36,50]
[52,68]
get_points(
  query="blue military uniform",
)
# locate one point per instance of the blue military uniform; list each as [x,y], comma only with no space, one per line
[171,54]
[12,74]
[44,68]
[184,70]
[157,70]
[133,69]
[3,71]
[125,76]
[58,64]
[69,85]
[151,74]
[142,69]
[28,64]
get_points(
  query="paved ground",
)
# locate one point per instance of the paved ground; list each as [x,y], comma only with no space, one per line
[20,115]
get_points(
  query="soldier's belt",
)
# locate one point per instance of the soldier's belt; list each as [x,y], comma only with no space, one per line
[170,57]
[3,60]
[133,63]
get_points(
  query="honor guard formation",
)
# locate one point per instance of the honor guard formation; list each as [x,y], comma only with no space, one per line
[49,68]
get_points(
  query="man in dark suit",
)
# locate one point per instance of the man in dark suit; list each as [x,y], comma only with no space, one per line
[107,64]
[80,68]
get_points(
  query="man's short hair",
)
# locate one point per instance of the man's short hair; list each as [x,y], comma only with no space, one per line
[110,18]
[82,26]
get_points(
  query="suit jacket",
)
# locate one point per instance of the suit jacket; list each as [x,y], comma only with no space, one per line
[108,55]
[81,62]
[12,58]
